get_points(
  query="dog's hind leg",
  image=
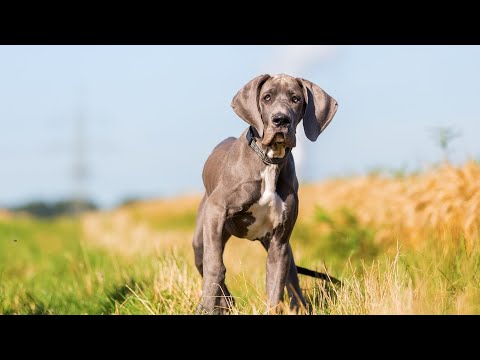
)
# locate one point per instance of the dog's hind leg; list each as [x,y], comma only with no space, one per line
[198,237]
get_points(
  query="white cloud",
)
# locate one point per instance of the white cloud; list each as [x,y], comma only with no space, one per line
[296,60]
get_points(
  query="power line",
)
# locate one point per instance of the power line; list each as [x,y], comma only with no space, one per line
[79,167]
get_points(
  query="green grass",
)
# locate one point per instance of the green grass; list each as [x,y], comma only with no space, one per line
[51,267]
[46,268]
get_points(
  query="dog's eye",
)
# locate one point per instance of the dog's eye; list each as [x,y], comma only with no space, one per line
[295,99]
[267,97]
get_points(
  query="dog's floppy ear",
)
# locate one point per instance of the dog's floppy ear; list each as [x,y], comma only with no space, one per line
[245,103]
[319,111]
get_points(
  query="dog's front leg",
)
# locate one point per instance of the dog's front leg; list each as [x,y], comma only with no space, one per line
[213,266]
[277,270]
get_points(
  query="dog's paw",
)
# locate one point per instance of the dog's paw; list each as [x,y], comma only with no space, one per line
[227,304]
[217,310]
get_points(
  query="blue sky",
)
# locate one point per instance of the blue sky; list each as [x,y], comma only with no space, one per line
[154,113]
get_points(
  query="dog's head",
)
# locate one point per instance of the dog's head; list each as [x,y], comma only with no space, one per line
[274,105]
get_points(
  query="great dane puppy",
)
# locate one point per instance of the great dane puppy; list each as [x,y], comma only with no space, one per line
[252,189]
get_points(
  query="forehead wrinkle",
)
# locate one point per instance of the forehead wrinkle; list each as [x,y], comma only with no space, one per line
[272,89]
[283,83]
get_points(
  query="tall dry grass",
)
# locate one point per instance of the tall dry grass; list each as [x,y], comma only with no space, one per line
[443,203]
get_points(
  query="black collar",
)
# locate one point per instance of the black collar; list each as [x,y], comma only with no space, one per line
[267,160]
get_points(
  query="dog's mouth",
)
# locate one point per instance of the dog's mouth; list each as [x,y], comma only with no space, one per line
[278,142]
[279,138]
[271,138]
[277,146]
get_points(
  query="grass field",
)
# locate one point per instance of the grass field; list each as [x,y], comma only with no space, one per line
[401,245]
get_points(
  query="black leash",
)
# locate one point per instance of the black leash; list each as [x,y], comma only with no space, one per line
[318,275]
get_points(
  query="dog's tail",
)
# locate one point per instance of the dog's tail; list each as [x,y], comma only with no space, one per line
[318,275]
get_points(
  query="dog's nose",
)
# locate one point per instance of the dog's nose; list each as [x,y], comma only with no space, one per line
[281,120]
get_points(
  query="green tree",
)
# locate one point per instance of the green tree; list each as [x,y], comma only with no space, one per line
[443,136]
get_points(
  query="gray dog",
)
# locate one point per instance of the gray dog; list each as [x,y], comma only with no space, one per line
[252,189]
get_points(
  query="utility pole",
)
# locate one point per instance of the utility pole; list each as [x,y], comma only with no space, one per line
[79,168]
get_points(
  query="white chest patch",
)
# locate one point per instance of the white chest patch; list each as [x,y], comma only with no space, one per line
[269,209]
